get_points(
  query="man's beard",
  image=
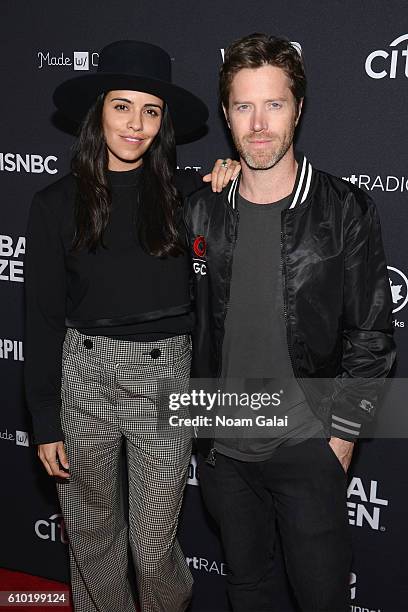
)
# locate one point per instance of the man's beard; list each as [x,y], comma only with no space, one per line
[269,156]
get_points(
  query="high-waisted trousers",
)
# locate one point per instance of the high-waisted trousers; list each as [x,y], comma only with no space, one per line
[115,392]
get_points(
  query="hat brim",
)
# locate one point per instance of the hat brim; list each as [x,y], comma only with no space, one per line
[75,97]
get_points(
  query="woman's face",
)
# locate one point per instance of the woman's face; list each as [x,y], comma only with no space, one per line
[130,121]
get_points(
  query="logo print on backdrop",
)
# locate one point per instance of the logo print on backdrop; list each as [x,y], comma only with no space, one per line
[353,591]
[353,581]
[204,565]
[383,183]
[368,507]
[399,288]
[80,60]
[192,477]
[11,349]
[10,251]
[6,435]
[22,438]
[196,168]
[27,162]
[47,529]
[380,63]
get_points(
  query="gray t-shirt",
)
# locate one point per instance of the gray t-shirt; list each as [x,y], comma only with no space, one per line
[255,342]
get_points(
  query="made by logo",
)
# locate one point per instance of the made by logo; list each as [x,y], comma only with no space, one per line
[21,438]
[391,62]
[11,264]
[364,504]
[399,292]
[52,529]
[78,60]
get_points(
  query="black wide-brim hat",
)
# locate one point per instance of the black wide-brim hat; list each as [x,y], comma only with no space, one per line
[137,66]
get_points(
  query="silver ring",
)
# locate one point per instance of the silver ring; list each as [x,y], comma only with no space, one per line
[224,163]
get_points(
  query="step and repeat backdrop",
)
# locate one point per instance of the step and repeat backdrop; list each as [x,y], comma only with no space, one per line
[354,125]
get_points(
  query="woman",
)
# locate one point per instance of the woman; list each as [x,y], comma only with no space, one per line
[108,305]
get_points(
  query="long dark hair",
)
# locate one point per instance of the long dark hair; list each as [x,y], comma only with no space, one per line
[158,196]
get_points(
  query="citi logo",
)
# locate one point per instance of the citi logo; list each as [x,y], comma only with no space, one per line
[204,565]
[380,64]
[52,529]
[28,162]
[367,508]
[10,250]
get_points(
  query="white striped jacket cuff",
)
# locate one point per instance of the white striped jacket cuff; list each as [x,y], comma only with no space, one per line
[345,426]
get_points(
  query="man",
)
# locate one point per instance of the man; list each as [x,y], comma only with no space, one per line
[291,282]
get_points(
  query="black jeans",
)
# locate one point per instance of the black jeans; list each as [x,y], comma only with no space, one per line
[301,490]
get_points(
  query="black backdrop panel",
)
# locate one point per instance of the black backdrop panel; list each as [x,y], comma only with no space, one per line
[354,125]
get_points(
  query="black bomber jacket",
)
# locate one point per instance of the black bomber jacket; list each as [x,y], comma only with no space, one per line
[336,293]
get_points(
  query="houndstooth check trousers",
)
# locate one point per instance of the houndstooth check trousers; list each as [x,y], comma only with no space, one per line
[115,392]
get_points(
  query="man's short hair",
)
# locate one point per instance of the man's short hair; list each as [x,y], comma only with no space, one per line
[257,50]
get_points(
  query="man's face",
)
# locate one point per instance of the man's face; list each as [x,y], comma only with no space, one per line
[262,115]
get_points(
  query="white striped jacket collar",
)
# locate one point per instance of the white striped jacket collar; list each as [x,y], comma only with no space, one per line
[300,190]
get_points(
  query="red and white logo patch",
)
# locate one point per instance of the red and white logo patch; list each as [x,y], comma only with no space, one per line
[200,246]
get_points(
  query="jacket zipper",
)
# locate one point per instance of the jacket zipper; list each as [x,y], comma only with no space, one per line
[288,332]
[228,290]
[285,310]
[211,458]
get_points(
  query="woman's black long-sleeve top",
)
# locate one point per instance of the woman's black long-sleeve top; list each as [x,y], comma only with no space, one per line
[116,291]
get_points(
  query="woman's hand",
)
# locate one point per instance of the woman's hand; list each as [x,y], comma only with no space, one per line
[52,456]
[224,171]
